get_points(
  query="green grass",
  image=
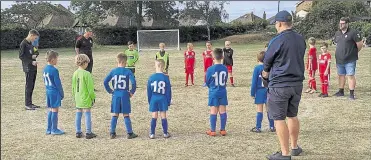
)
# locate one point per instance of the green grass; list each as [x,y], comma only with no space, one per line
[331,128]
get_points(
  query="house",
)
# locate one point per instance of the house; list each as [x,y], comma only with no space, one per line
[62,19]
[303,8]
[119,21]
[79,26]
[247,18]
[272,20]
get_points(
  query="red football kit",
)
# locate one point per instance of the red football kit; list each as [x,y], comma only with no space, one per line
[189,61]
[324,60]
[208,60]
[312,67]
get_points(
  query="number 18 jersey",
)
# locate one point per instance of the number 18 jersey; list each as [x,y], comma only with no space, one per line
[216,81]
[158,92]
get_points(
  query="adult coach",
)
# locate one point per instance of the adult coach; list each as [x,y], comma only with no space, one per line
[84,46]
[28,56]
[284,67]
[349,43]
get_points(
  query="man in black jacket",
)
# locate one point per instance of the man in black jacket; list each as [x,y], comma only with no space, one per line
[28,56]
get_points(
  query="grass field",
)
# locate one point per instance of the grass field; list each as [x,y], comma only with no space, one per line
[331,128]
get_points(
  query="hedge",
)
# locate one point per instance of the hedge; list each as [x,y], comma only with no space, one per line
[364,28]
[49,38]
[54,38]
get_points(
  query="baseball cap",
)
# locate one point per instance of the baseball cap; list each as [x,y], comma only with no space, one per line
[283,16]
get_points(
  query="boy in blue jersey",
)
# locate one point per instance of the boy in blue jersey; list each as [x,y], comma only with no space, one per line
[121,94]
[259,93]
[159,97]
[54,92]
[216,79]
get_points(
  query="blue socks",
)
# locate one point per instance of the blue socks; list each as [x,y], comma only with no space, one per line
[164,125]
[49,122]
[153,125]
[271,121]
[223,121]
[88,122]
[213,118]
[259,119]
[113,124]
[127,121]
[78,122]
[54,119]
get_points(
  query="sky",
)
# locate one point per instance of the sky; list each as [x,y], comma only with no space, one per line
[235,9]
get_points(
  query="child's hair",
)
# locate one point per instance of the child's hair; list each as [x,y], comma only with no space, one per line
[189,44]
[209,42]
[312,41]
[50,55]
[161,44]
[227,42]
[34,32]
[324,44]
[260,56]
[81,59]
[122,58]
[218,53]
[160,63]
[130,42]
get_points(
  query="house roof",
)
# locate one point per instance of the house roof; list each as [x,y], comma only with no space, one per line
[249,17]
[64,18]
[272,20]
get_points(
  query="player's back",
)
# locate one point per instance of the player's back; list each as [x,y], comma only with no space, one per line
[158,88]
[82,85]
[216,80]
[51,79]
[258,71]
[120,81]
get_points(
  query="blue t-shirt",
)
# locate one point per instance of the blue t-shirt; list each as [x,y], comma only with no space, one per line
[216,80]
[120,77]
[159,88]
[52,81]
[256,81]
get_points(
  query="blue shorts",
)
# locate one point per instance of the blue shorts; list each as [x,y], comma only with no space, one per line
[53,100]
[120,104]
[261,96]
[159,105]
[218,101]
[348,69]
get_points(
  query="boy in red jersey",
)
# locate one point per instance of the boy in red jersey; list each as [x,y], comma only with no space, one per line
[208,58]
[189,62]
[324,61]
[312,66]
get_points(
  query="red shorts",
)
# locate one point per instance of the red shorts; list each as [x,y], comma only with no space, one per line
[189,70]
[229,67]
[206,66]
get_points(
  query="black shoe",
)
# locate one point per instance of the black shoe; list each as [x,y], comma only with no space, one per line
[35,106]
[351,97]
[78,135]
[132,135]
[324,95]
[90,135]
[256,130]
[30,107]
[278,156]
[296,152]
[272,129]
[233,85]
[112,135]
[95,90]
[339,94]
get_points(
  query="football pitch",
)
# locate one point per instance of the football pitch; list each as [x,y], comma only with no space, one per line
[331,128]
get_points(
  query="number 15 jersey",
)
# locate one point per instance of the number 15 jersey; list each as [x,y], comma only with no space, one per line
[216,81]
[120,77]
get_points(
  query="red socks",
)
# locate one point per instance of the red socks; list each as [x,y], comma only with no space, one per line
[231,78]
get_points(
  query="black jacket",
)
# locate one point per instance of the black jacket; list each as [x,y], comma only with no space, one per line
[25,54]
[228,59]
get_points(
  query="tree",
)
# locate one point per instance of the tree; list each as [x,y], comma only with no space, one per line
[162,11]
[89,12]
[28,14]
[323,19]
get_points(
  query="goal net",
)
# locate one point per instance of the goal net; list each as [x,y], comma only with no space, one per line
[150,39]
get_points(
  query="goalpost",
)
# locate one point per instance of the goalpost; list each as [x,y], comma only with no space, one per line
[149,39]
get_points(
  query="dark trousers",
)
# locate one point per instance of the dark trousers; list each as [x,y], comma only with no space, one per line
[30,85]
[90,65]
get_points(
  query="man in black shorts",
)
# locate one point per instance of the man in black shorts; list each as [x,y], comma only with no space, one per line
[84,45]
[284,67]
[28,55]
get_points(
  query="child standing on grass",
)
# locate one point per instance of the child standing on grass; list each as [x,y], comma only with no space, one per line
[312,66]
[216,80]
[159,97]
[189,63]
[228,60]
[121,94]
[324,62]
[162,54]
[132,57]
[54,92]
[83,93]
[259,93]
[208,58]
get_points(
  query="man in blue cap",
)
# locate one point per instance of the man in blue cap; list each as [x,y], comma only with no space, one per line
[283,74]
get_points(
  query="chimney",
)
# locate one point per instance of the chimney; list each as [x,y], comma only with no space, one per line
[264,16]
[252,16]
